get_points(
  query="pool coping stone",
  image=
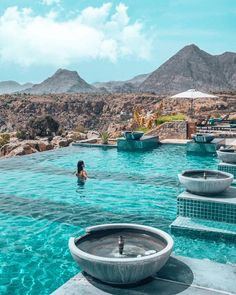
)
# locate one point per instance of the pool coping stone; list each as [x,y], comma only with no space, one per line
[181,275]
[95,145]
[227,197]
[83,143]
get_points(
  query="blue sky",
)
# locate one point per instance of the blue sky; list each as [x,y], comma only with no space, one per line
[107,40]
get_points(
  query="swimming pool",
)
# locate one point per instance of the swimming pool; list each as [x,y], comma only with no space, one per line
[42,205]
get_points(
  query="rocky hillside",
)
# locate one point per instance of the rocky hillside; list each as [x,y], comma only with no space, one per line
[63,81]
[13,86]
[192,67]
[98,111]
[128,86]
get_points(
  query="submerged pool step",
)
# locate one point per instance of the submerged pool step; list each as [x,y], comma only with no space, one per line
[203,228]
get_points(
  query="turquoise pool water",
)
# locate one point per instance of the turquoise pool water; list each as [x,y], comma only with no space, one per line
[42,205]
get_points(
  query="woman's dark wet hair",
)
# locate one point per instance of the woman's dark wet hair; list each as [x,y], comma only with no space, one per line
[80,166]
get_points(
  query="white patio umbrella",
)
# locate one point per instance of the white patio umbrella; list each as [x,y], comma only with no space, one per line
[192,94]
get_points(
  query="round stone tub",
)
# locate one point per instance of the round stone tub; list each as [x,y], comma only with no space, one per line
[203,137]
[205,182]
[145,251]
[133,135]
[227,155]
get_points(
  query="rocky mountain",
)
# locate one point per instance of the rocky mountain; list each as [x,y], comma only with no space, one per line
[63,81]
[227,61]
[189,68]
[192,67]
[7,87]
[128,86]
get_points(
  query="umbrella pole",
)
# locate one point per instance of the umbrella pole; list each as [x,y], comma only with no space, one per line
[191,108]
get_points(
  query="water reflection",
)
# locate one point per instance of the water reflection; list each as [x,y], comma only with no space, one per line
[80,214]
[81,187]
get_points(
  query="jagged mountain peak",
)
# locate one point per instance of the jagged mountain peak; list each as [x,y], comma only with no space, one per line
[62,81]
[65,72]
[192,51]
[189,68]
[191,47]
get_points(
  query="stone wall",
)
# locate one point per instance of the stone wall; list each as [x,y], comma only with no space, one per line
[170,130]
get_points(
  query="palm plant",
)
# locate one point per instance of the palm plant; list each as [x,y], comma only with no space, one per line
[104,137]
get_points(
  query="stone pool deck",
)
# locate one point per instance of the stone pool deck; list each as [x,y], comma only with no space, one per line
[175,141]
[181,275]
[88,143]
[95,145]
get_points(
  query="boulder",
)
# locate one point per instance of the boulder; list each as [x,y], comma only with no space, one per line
[63,143]
[8,148]
[44,146]
[16,147]
[75,136]
[92,134]
[24,149]
[59,141]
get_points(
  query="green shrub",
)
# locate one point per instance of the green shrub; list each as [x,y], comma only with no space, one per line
[104,137]
[5,136]
[163,119]
[4,139]
[21,134]
[143,129]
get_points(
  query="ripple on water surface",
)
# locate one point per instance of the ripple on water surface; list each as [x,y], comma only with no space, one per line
[42,205]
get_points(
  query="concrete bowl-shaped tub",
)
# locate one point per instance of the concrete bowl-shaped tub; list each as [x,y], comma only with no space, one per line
[121,253]
[133,135]
[227,156]
[205,182]
[203,138]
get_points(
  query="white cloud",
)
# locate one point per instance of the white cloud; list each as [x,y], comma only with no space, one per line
[50,2]
[95,33]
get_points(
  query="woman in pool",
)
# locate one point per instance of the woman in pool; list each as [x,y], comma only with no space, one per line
[81,173]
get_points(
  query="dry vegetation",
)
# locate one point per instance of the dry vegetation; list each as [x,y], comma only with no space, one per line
[98,111]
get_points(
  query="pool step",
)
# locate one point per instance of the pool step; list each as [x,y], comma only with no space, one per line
[203,228]
[218,207]
[226,167]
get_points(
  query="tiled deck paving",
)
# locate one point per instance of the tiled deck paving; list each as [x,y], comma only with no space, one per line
[181,275]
